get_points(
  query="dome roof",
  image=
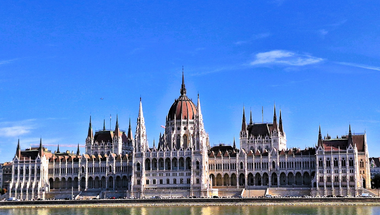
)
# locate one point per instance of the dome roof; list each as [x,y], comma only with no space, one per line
[183,107]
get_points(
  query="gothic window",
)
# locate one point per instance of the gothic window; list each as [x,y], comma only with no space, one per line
[138,166]
[197,164]
[241,165]
[328,163]
[320,163]
[361,163]
[343,162]
[351,162]
[273,165]
[185,141]
[336,163]
[178,141]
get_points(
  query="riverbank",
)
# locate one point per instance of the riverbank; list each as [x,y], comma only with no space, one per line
[193,202]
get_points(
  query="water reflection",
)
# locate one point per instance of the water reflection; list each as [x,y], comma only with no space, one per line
[223,210]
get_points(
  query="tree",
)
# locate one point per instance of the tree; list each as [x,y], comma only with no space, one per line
[376,181]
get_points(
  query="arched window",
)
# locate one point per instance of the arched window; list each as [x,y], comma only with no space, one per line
[185,141]
[336,163]
[178,142]
[343,162]
[351,162]
[197,164]
[110,169]
[138,166]
[273,165]
[361,163]
[241,165]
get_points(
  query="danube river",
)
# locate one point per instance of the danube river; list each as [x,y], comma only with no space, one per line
[204,210]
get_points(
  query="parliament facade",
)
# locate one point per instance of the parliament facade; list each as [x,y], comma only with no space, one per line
[183,164]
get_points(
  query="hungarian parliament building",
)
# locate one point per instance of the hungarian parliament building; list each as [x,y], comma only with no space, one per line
[182,164]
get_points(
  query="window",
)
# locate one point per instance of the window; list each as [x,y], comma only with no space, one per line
[154,181]
[161,181]
[336,164]
[147,181]
[167,181]
[351,162]
[343,162]
[197,180]
[328,163]
[138,182]
[361,163]
[138,166]
[174,181]
[241,165]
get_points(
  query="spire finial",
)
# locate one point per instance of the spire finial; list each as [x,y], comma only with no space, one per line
[274,117]
[234,146]
[58,149]
[281,128]
[183,88]
[78,151]
[130,130]
[104,124]
[250,117]
[243,124]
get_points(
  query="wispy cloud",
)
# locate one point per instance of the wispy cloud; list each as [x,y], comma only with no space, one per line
[16,128]
[7,61]
[289,83]
[359,66]
[253,38]
[285,58]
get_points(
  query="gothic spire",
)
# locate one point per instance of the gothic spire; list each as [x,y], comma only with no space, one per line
[90,134]
[183,88]
[274,118]
[78,151]
[141,139]
[234,145]
[130,130]
[250,117]
[320,137]
[104,124]
[41,149]
[18,150]
[117,131]
[58,149]
[280,126]
[243,124]
[349,135]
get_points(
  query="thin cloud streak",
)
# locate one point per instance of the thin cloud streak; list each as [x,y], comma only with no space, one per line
[359,66]
[254,37]
[285,58]
[7,61]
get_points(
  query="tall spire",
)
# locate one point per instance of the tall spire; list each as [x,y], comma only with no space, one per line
[320,137]
[243,123]
[183,88]
[280,126]
[104,124]
[250,117]
[130,130]
[117,130]
[90,134]
[141,139]
[234,145]
[41,149]
[58,149]
[18,150]
[349,135]
[78,151]
[274,118]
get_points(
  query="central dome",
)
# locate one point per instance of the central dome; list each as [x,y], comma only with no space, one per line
[183,107]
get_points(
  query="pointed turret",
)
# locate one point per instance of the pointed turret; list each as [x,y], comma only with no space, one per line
[117,130]
[130,136]
[234,145]
[41,149]
[250,117]
[320,141]
[104,124]
[18,150]
[243,123]
[183,88]
[280,124]
[58,149]
[154,143]
[141,139]
[349,135]
[78,150]
[274,119]
[90,133]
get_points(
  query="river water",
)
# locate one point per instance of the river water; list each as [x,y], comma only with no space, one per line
[203,210]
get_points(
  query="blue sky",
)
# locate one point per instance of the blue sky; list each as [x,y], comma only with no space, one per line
[317,61]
